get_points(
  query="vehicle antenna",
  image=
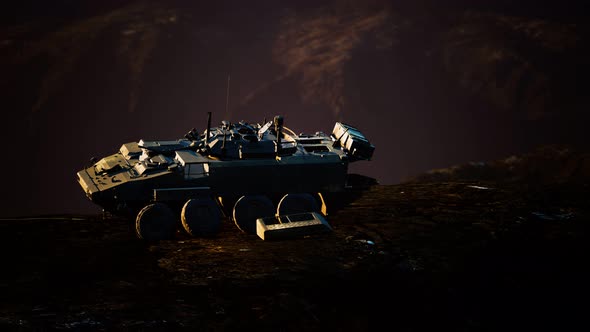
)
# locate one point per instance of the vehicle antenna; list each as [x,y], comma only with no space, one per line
[227,100]
[208,127]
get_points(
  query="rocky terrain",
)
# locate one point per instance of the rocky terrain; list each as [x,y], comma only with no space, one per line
[459,255]
[546,165]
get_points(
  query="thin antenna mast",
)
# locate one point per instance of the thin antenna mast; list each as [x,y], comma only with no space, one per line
[227,100]
[226,117]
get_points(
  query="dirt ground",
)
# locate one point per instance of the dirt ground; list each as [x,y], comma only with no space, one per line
[462,256]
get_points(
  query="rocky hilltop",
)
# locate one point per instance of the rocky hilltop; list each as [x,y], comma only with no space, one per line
[547,165]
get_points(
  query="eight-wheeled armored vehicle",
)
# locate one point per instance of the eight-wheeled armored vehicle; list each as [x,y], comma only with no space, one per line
[264,176]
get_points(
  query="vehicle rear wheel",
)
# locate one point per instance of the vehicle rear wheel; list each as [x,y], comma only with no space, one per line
[297,203]
[201,217]
[155,222]
[249,208]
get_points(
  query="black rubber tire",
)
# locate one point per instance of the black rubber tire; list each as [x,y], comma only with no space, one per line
[155,222]
[297,203]
[249,208]
[201,217]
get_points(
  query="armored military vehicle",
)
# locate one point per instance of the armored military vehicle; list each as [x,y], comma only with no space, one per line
[263,176]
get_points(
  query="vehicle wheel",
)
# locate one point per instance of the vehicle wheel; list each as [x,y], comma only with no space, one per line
[297,203]
[249,208]
[201,217]
[155,222]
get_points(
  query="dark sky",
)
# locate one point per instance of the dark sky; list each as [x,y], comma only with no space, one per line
[431,85]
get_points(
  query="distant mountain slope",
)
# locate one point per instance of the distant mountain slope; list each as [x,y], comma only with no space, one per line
[61,46]
[526,64]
